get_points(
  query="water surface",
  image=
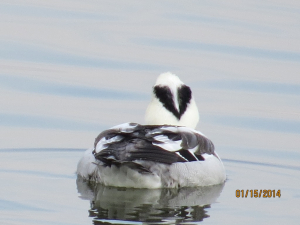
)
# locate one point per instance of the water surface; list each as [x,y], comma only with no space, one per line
[70,69]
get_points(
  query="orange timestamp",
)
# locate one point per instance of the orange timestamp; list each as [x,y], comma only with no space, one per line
[258,193]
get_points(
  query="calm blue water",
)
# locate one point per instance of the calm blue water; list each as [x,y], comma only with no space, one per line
[70,69]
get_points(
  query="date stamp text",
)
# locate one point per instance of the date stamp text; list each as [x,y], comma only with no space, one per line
[257,193]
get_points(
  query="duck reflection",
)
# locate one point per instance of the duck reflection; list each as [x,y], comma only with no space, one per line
[112,205]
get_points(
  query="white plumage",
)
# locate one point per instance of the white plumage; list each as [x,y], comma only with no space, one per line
[167,152]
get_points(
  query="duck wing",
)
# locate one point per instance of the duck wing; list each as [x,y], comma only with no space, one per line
[127,143]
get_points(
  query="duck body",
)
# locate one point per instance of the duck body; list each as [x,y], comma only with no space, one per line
[166,153]
[152,156]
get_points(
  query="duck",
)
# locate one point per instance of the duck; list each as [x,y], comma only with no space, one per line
[166,152]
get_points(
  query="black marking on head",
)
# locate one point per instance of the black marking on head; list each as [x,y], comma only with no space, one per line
[184,94]
[165,96]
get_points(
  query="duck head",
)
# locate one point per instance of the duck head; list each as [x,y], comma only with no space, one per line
[172,103]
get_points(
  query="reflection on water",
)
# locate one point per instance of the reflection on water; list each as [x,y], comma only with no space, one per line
[160,206]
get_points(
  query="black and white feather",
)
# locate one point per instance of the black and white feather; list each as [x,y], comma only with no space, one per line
[166,144]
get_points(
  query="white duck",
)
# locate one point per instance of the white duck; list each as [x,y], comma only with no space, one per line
[165,153]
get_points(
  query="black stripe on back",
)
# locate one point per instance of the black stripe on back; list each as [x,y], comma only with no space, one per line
[187,155]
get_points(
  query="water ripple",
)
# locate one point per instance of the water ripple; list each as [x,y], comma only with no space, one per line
[27,84]
[41,150]
[270,124]
[254,86]
[19,51]
[223,49]
[262,164]
[38,173]
[37,121]
[6,205]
